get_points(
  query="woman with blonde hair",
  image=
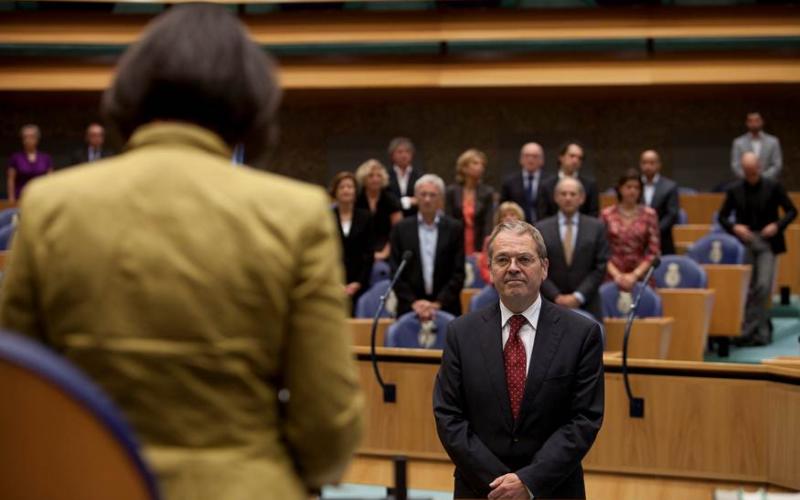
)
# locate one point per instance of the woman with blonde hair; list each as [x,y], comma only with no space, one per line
[383,205]
[508,211]
[470,200]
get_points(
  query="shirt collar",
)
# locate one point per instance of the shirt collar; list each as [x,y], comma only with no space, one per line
[531,314]
[562,174]
[400,172]
[179,132]
[422,222]
[655,180]
[562,218]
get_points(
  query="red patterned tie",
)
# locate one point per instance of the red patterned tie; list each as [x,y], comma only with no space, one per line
[514,356]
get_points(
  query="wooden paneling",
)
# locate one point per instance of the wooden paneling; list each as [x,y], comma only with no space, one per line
[362,331]
[453,74]
[649,339]
[700,207]
[685,235]
[789,262]
[783,415]
[730,282]
[691,309]
[430,26]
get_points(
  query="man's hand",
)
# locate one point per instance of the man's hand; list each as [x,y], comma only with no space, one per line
[769,230]
[423,309]
[568,300]
[351,288]
[508,486]
[626,281]
[743,232]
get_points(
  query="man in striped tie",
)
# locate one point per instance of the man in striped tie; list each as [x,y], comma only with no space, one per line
[518,400]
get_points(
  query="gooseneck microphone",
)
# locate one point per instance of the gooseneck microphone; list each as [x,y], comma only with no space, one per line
[636,404]
[389,390]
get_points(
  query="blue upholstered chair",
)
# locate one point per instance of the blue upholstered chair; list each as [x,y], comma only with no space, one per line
[472,274]
[717,248]
[6,233]
[683,217]
[7,216]
[616,304]
[487,296]
[405,332]
[381,270]
[686,190]
[62,437]
[370,300]
[678,271]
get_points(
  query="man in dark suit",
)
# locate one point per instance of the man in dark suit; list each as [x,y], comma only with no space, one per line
[94,148]
[402,175]
[434,276]
[755,201]
[570,159]
[518,399]
[523,187]
[578,251]
[660,194]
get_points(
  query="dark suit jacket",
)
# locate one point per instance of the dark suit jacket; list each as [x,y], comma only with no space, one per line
[82,155]
[448,269]
[514,190]
[547,204]
[665,203]
[357,248]
[589,259]
[561,413]
[771,196]
[394,186]
[484,209]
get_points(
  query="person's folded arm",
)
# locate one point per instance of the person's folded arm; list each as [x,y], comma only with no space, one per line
[562,453]
[323,417]
[478,465]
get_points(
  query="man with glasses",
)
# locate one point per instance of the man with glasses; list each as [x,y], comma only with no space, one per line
[518,399]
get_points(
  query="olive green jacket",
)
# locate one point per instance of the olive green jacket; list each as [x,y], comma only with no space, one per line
[193,291]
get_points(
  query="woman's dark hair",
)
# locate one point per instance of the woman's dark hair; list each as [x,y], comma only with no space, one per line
[195,63]
[631,174]
[338,178]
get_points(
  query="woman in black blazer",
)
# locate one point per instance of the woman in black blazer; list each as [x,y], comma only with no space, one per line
[355,230]
[471,201]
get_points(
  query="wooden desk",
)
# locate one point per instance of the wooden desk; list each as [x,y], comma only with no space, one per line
[691,308]
[700,207]
[362,330]
[788,273]
[686,234]
[650,337]
[3,259]
[466,297]
[702,420]
[730,282]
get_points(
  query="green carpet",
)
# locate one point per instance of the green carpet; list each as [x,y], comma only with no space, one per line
[784,343]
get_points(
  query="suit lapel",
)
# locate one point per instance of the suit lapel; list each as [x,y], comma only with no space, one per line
[557,252]
[417,248]
[491,339]
[548,337]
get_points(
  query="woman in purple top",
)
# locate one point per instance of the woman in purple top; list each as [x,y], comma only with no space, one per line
[26,164]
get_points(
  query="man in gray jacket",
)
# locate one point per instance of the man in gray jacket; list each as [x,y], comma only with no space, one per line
[766,147]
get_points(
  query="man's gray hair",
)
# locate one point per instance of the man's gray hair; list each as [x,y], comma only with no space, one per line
[430,179]
[519,228]
[570,179]
[400,141]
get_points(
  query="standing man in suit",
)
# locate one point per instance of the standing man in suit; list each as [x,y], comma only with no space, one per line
[578,251]
[402,175]
[523,187]
[660,194]
[755,201]
[94,148]
[766,147]
[434,276]
[518,399]
[570,160]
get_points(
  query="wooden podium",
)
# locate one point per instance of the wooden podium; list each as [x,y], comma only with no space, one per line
[650,337]
[691,308]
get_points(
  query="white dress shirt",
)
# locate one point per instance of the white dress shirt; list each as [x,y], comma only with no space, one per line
[346,225]
[650,189]
[428,238]
[755,142]
[528,331]
[402,181]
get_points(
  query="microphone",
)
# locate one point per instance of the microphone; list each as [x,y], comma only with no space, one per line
[636,405]
[389,390]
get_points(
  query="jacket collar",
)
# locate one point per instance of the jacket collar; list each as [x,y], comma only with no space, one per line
[181,133]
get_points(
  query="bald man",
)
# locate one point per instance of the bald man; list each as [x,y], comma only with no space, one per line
[523,187]
[94,149]
[755,200]
[661,194]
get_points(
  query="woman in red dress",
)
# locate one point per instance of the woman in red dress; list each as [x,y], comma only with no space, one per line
[633,234]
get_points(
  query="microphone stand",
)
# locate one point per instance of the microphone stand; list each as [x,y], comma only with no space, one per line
[636,405]
[389,390]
